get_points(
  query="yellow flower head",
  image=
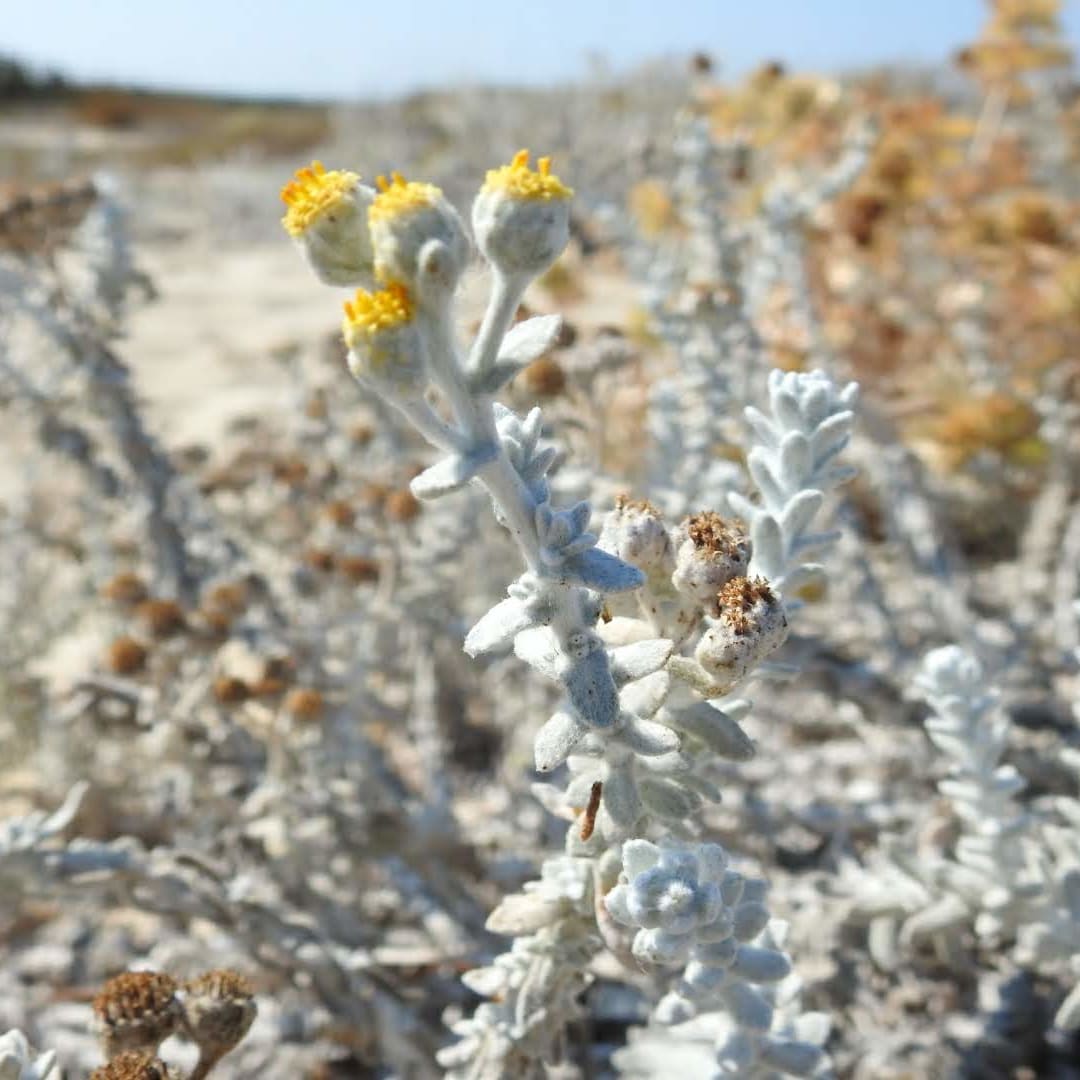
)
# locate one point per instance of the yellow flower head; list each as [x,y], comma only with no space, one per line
[398,196]
[521,182]
[313,193]
[370,314]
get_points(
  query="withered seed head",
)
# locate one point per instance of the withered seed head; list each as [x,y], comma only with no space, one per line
[125,588]
[545,377]
[737,599]
[231,691]
[219,1007]
[162,618]
[126,656]
[401,505]
[712,533]
[359,568]
[340,512]
[304,703]
[137,1010]
[623,501]
[319,559]
[709,552]
[230,598]
[132,1065]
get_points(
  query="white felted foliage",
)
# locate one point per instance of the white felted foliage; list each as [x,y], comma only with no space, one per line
[793,465]
[18,1061]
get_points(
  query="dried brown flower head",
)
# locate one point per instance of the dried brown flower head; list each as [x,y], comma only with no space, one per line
[126,656]
[162,618]
[340,512]
[401,505]
[359,568]
[545,377]
[230,690]
[624,501]
[219,1008]
[137,1010]
[320,559]
[230,598]
[737,598]
[291,471]
[125,588]
[711,533]
[305,703]
[132,1065]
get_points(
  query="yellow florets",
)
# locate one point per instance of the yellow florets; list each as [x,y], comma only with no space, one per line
[313,193]
[522,182]
[399,196]
[371,313]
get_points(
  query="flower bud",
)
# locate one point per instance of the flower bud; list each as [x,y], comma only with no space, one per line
[417,235]
[384,342]
[327,216]
[750,627]
[521,217]
[709,552]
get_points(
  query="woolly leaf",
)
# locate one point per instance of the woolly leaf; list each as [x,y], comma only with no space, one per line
[642,658]
[647,738]
[643,697]
[497,629]
[539,648]
[620,798]
[718,731]
[592,690]
[596,569]
[555,740]
[452,473]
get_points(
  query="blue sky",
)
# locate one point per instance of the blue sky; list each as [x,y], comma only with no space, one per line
[353,48]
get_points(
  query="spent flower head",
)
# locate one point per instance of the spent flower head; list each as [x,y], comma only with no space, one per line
[219,1008]
[137,1010]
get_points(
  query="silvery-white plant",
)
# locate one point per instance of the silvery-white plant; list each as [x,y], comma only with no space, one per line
[1013,873]
[19,1062]
[634,724]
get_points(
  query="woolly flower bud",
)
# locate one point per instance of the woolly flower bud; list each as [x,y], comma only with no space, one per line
[383,340]
[751,626]
[635,532]
[521,217]
[137,1010]
[219,1008]
[709,552]
[417,235]
[327,216]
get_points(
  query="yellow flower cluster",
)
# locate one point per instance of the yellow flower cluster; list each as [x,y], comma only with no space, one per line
[397,196]
[313,193]
[371,313]
[519,181]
